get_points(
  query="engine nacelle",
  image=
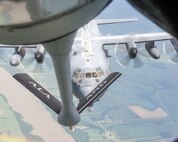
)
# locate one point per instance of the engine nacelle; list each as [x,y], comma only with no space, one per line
[152,50]
[132,50]
[40,54]
[17,56]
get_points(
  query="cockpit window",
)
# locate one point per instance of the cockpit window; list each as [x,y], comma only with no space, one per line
[79,74]
[94,74]
[99,72]
[88,75]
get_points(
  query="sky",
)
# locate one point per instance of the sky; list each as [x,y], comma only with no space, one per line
[122,9]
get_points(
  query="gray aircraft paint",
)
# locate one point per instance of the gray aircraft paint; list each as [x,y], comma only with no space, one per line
[89,63]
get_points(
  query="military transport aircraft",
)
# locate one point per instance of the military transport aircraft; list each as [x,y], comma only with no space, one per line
[90,74]
[90,70]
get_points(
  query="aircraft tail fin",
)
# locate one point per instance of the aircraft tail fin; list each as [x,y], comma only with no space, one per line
[115,21]
[98,92]
[39,91]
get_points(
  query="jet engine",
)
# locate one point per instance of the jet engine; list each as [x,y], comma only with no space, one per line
[132,50]
[131,59]
[40,54]
[152,50]
[17,56]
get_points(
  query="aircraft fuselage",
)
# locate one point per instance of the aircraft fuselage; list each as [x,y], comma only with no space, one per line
[89,63]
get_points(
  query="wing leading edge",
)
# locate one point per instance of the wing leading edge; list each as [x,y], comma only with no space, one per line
[137,38]
[114,21]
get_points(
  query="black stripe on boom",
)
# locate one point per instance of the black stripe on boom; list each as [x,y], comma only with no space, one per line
[39,91]
[98,91]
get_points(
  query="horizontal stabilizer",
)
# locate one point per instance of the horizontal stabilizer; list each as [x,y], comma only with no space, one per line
[39,91]
[97,92]
[114,21]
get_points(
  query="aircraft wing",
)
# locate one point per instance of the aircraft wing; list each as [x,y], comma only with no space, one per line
[17,46]
[137,38]
[114,21]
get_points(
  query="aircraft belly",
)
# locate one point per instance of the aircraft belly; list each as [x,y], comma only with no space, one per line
[81,90]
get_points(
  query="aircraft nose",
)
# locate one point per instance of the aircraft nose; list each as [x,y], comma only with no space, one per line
[85,90]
